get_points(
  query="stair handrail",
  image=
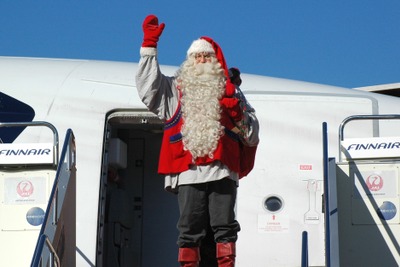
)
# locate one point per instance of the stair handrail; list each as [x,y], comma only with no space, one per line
[39,123]
[363,117]
[53,199]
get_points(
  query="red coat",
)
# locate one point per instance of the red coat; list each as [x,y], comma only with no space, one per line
[230,150]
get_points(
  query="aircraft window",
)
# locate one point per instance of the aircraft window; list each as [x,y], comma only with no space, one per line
[13,110]
[273,204]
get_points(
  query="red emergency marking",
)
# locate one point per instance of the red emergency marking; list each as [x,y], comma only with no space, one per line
[25,188]
[305,167]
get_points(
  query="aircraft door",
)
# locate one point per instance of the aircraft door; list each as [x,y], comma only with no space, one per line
[140,216]
[282,196]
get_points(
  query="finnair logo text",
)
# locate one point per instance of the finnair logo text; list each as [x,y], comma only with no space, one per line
[25,152]
[374,146]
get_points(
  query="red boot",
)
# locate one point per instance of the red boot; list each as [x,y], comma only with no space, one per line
[189,257]
[226,253]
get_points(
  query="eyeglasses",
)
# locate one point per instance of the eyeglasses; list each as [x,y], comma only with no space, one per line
[203,55]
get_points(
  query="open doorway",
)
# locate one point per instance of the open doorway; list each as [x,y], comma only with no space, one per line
[137,217]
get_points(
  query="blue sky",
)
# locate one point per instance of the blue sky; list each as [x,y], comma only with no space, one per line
[350,43]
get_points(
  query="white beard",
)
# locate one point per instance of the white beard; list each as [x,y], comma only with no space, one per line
[202,87]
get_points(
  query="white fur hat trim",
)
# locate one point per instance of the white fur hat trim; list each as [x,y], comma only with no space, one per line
[199,46]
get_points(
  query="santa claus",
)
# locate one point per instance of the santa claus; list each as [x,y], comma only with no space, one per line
[203,153]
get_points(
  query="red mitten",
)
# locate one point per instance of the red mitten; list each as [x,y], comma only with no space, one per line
[232,107]
[152,31]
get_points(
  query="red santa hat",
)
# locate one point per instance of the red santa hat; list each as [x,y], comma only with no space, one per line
[200,46]
[208,45]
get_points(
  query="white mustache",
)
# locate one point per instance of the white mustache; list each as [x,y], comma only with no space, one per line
[204,69]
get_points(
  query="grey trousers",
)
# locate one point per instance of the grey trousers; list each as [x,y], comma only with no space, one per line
[211,203]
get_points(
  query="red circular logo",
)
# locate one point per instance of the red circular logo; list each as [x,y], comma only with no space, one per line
[374,182]
[25,188]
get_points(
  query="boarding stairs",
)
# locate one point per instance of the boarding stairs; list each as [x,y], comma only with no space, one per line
[362,197]
[37,188]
